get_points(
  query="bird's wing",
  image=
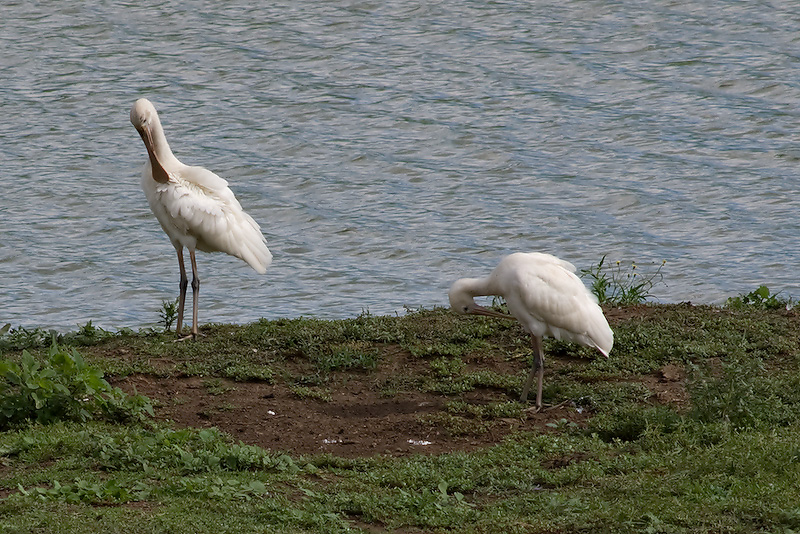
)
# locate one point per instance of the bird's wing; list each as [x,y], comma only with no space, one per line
[200,199]
[199,205]
[540,258]
[549,299]
[202,177]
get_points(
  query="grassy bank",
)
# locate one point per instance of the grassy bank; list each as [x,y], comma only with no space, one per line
[690,426]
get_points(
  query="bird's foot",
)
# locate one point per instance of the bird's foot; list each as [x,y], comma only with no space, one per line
[193,335]
[568,402]
[547,407]
[524,400]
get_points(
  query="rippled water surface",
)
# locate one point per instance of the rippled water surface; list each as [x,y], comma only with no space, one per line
[388,148]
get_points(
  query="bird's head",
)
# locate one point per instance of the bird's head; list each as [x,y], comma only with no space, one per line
[143,115]
[144,118]
[462,301]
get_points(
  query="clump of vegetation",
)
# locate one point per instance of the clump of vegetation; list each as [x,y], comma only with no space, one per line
[449,377]
[201,464]
[740,395]
[353,356]
[22,338]
[630,422]
[168,313]
[492,410]
[25,338]
[618,286]
[761,299]
[88,334]
[456,425]
[216,387]
[62,387]
[308,392]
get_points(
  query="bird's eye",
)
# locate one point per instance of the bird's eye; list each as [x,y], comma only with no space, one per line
[465,309]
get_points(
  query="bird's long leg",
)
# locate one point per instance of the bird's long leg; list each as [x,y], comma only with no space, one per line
[195,292]
[537,370]
[182,298]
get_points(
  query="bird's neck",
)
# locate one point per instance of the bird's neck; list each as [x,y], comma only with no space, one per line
[476,287]
[161,147]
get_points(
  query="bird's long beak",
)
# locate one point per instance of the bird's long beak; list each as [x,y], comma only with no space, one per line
[480,310]
[159,173]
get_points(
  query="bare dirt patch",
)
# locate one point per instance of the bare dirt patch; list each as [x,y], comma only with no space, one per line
[355,419]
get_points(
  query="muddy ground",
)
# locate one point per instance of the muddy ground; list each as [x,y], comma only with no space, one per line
[356,419]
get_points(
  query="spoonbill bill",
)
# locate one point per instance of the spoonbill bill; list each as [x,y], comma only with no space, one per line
[543,293]
[195,208]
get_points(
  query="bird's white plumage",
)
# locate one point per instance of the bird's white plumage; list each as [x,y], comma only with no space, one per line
[210,220]
[548,299]
[194,206]
[543,293]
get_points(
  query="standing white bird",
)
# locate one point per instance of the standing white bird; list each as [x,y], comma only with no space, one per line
[543,293]
[195,208]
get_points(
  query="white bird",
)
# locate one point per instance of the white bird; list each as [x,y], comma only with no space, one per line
[195,208]
[543,293]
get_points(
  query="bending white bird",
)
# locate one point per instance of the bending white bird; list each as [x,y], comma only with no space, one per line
[195,208]
[543,293]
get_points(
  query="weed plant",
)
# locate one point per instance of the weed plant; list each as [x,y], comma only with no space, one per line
[14,339]
[618,286]
[760,298]
[168,313]
[62,387]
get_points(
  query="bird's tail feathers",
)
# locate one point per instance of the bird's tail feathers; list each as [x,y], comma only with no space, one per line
[602,351]
[251,246]
[602,339]
[597,334]
[259,260]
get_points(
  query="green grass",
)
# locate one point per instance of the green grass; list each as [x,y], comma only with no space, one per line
[693,479]
[729,461]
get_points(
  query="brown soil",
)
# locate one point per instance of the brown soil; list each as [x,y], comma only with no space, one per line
[356,420]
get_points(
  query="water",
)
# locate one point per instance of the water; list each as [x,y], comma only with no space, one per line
[389,148]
